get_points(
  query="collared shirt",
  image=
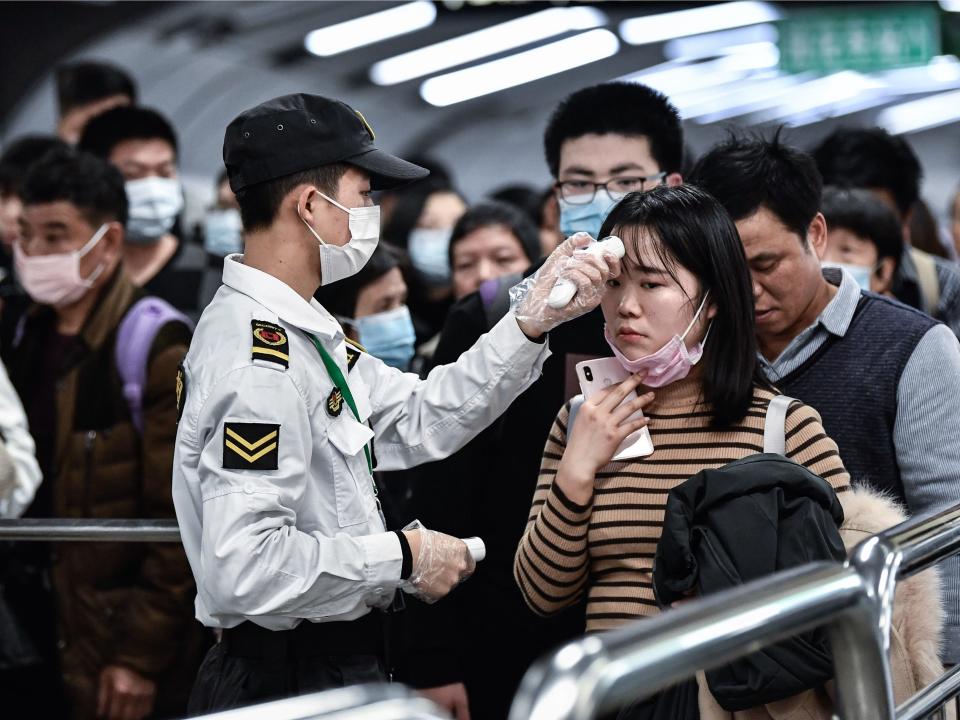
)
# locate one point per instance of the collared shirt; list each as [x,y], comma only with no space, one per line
[833,320]
[274,498]
[926,433]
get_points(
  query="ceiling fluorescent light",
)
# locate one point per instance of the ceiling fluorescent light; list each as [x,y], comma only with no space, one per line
[950,5]
[701,46]
[683,23]
[483,43]
[930,112]
[371,29]
[520,68]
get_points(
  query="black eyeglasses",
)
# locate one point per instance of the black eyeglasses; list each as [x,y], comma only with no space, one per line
[582,192]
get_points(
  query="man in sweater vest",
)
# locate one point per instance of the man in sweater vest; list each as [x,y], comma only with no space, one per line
[884,164]
[885,377]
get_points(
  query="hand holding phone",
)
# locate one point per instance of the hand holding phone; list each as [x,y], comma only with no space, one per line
[597,375]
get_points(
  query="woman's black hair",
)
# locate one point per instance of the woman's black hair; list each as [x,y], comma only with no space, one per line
[340,298]
[409,207]
[487,214]
[695,232]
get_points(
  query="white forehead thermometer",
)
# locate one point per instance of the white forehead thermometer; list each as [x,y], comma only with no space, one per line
[565,289]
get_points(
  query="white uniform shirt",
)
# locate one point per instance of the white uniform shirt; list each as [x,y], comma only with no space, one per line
[19,450]
[272,491]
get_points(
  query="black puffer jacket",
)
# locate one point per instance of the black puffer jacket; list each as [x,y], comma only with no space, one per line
[741,522]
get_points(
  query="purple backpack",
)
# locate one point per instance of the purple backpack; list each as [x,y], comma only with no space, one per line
[135,337]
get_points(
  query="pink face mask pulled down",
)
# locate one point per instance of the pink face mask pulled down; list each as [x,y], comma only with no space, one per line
[670,363]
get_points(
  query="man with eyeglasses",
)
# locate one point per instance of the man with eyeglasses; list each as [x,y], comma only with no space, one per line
[601,143]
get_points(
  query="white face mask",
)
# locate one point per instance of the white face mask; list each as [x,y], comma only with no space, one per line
[155,203]
[338,262]
[55,279]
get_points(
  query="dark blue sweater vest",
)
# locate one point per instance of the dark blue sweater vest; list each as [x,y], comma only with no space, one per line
[853,383]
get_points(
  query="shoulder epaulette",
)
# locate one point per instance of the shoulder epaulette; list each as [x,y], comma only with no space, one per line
[270,343]
[353,352]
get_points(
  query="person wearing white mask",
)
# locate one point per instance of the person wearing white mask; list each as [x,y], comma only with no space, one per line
[273,472]
[142,145]
[103,423]
[864,238]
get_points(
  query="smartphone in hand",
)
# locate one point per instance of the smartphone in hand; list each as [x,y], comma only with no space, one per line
[597,375]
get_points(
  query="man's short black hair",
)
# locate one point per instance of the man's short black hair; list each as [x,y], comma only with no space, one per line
[20,155]
[618,107]
[81,83]
[91,184]
[107,130]
[747,173]
[866,216]
[871,158]
[260,203]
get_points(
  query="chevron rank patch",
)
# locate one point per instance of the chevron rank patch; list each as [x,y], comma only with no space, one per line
[270,343]
[251,446]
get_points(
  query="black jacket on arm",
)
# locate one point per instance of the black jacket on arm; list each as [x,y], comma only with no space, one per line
[743,521]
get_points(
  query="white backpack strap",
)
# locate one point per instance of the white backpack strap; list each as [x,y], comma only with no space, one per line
[774,427]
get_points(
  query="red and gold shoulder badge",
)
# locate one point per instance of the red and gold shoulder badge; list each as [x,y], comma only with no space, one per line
[335,402]
[270,343]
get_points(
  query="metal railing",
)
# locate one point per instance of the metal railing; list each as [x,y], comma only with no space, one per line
[600,673]
[90,530]
[854,601]
[357,702]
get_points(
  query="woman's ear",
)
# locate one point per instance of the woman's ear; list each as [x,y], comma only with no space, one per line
[674,180]
[711,311]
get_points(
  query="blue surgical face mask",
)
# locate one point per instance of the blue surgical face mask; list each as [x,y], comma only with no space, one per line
[389,336]
[860,273]
[429,250]
[586,218]
[223,232]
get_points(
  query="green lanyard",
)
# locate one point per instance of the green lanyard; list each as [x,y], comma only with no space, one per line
[340,381]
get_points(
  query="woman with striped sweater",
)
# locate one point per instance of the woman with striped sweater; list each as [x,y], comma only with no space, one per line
[684,295]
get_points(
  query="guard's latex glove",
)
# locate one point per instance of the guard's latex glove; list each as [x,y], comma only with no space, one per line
[528,299]
[440,563]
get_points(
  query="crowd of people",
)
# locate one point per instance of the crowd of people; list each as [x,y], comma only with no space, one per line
[131,388]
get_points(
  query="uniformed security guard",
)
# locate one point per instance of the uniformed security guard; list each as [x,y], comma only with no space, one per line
[272,478]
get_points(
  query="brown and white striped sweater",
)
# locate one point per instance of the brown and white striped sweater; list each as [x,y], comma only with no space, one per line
[606,548]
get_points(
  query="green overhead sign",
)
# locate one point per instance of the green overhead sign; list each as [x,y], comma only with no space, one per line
[858,37]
